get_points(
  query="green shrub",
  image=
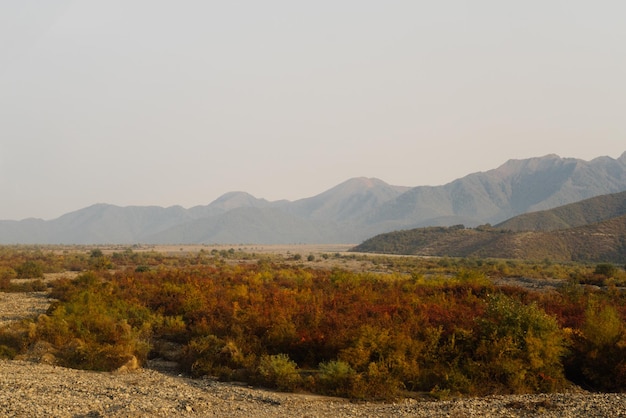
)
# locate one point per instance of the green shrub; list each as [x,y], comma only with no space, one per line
[172,328]
[279,371]
[519,350]
[29,270]
[599,349]
[336,378]
[92,331]
[212,356]
[377,383]
[605,269]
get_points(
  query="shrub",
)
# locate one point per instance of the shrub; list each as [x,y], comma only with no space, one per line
[91,330]
[377,383]
[213,356]
[6,274]
[605,269]
[29,270]
[172,328]
[279,371]
[519,348]
[336,378]
[7,352]
[14,338]
[599,349]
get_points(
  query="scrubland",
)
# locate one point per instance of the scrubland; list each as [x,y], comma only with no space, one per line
[361,327]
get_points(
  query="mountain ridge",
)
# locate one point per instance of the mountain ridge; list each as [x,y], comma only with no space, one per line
[350,212]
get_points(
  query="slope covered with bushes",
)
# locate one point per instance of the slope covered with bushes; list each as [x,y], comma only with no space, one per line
[600,242]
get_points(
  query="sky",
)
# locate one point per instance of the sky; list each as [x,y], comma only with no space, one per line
[151,102]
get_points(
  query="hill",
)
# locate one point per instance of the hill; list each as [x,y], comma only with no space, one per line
[581,213]
[349,212]
[586,240]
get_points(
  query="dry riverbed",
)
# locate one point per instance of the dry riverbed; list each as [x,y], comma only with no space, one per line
[38,390]
[31,389]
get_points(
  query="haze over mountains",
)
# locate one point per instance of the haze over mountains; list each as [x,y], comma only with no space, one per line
[350,212]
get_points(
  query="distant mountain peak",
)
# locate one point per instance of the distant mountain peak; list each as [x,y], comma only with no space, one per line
[527,165]
[233,200]
[363,182]
[369,181]
[359,186]
[234,195]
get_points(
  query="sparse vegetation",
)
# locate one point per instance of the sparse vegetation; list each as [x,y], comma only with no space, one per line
[592,230]
[602,242]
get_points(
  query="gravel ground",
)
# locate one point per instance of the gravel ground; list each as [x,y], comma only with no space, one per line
[30,389]
[15,306]
[39,390]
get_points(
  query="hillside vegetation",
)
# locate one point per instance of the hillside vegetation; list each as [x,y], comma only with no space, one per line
[435,326]
[602,242]
[588,211]
[534,236]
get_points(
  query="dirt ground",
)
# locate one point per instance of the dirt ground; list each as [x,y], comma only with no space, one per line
[284,249]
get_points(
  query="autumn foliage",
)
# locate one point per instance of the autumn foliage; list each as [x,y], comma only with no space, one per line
[338,332]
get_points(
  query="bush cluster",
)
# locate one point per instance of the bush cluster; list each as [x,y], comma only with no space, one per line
[341,333]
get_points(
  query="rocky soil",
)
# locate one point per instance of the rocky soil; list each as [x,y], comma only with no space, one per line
[29,389]
[15,306]
[38,390]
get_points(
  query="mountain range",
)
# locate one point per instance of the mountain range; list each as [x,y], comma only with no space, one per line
[350,212]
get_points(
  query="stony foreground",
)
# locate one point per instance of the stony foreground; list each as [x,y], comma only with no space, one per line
[38,390]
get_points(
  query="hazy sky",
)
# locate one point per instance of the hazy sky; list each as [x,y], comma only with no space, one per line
[176,102]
